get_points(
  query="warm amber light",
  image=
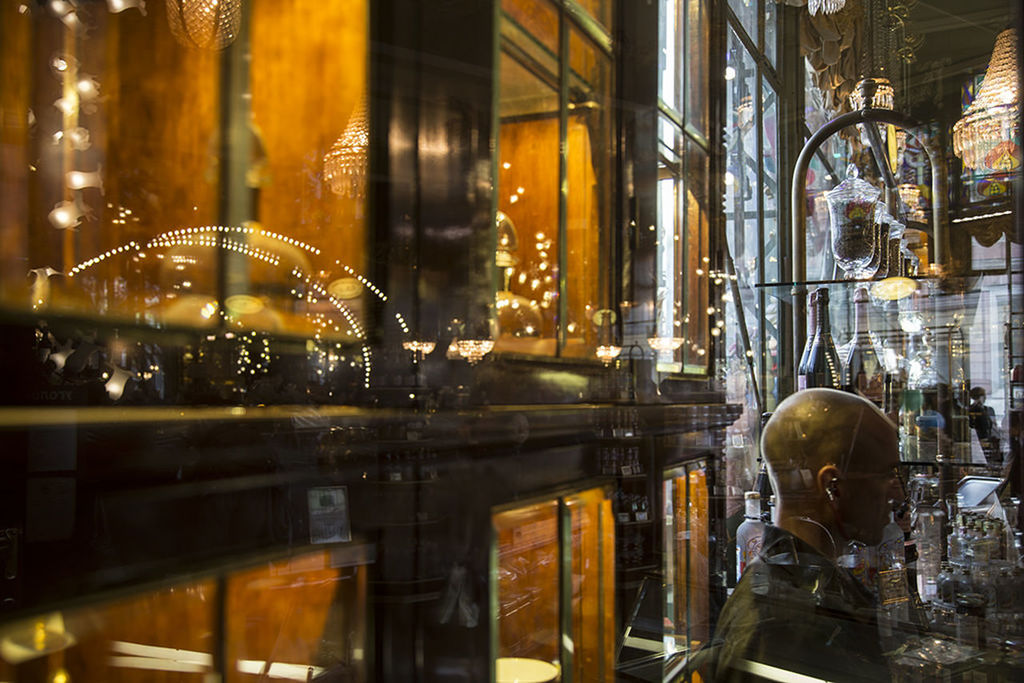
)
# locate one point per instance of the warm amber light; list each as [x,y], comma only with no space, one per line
[473,350]
[893,288]
[608,353]
[662,344]
[421,347]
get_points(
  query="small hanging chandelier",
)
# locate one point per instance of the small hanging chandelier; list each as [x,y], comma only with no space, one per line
[345,162]
[206,24]
[873,93]
[987,135]
[825,6]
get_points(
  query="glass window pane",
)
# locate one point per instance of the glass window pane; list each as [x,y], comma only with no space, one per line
[696,272]
[171,220]
[771,19]
[741,179]
[309,179]
[142,140]
[301,615]
[527,582]
[588,210]
[669,74]
[667,298]
[770,182]
[593,585]
[697,62]
[598,9]
[538,17]
[746,11]
[741,204]
[527,190]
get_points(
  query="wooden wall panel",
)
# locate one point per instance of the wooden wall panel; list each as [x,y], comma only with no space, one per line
[528,159]
[698,602]
[308,73]
[15,48]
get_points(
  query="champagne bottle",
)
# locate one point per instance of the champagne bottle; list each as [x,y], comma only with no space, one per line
[812,324]
[862,368]
[823,368]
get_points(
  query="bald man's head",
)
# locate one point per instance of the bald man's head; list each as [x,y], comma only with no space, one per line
[818,427]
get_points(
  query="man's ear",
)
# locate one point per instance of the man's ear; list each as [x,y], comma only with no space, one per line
[827,482]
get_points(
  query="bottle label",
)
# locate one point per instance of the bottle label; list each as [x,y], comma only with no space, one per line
[801,382]
[892,586]
[747,551]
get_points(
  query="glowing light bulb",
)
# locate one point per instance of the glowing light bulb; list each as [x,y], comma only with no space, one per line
[66,215]
[116,6]
[68,105]
[88,88]
[79,180]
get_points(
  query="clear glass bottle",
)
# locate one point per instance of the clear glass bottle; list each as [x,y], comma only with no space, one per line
[910,409]
[823,368]
[749,532]
[930,526]
[863,372]
[970,620]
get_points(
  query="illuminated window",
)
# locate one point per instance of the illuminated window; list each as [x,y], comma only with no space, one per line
[683,319]
[555,161]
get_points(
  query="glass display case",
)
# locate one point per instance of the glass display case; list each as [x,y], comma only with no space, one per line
[294,619]
[555,593]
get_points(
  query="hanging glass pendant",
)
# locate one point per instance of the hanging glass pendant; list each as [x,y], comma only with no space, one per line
[345,162]
[205,24]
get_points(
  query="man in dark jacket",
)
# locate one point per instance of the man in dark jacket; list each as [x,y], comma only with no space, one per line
[832,459]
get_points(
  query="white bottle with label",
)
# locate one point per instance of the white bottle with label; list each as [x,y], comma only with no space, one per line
[749,532]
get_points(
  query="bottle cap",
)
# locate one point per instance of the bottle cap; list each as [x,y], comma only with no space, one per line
[751,495]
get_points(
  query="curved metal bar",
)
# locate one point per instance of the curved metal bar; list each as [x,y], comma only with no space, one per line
[798,208]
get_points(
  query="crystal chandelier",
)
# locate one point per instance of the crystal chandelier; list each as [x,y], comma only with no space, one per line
[663,344]
[608,353]
[873,93]
[345,162]
[825,6]
[910,194]
[986,136]
[423,347]
[207,24]
[474,349]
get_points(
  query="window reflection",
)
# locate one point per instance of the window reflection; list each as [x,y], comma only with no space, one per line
[162,187]
[554,282]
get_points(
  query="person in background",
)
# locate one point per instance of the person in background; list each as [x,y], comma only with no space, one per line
[983,422]
[833,463]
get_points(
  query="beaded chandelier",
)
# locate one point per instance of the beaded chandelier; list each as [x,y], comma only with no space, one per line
[207,24]
[345,162]
[987,135]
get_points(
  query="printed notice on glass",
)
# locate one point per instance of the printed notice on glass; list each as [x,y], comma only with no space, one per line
[328,515]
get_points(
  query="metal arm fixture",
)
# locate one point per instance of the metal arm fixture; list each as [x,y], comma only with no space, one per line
[798,232]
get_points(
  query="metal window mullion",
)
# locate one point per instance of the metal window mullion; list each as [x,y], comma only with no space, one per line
[682,43]
[588,25]
[565,641]
[762,297]
[235,203]
[681,230]
[760,25]
[763,65]
[563,181]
